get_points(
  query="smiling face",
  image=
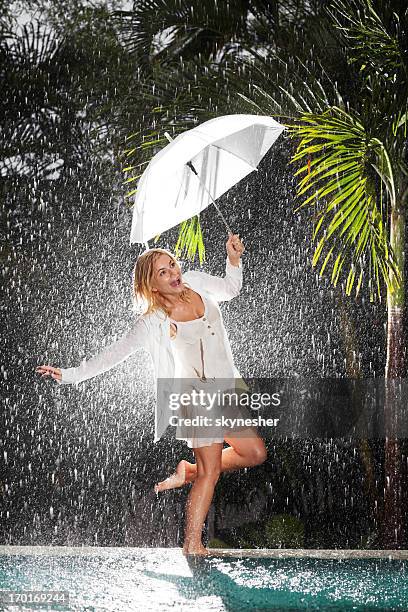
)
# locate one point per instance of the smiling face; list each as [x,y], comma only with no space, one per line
[166,279]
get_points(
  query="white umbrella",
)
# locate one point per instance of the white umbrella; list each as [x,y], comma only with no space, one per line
[198,167]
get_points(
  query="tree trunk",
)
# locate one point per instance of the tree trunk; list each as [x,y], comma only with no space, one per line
[395,367]
[353,370]
[392,532]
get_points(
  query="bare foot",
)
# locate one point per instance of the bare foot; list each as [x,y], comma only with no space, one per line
[196,550]
[178,479]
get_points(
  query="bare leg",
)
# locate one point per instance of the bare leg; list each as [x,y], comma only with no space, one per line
[242,452]
[208,464]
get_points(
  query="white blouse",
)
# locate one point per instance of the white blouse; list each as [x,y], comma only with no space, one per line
[198,350]
[152,332]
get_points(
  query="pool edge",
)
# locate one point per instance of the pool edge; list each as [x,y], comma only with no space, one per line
[268,553]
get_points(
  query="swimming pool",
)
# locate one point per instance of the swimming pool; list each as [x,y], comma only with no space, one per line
[122,579]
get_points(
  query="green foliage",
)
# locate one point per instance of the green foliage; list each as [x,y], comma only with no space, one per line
[279,531]
[162,30]
[61,88]
[284,531]
[342,161]
[217,543]
[190,240]
[248,535]
[376,35]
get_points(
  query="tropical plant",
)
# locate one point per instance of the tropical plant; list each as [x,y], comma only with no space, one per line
[54,113]
[340,159]
[356,173]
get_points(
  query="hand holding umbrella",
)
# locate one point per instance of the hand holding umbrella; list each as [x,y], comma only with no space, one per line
[46,370]
[235,248]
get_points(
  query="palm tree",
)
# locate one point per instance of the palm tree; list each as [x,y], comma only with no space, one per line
[355,179]
[356,175]
[60,92]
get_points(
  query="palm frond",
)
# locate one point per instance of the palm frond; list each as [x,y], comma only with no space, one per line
[190,240]
[377,37]
[340,181]
[162,30]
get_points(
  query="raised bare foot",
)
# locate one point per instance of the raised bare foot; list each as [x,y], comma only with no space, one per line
[178,479]
[196,550]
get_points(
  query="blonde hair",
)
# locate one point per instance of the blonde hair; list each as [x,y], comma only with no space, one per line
[144,298]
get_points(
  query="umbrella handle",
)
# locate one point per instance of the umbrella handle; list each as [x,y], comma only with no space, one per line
[229,230]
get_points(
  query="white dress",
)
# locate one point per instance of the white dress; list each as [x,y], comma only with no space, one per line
[202,360]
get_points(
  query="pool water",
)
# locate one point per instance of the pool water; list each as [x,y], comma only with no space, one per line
[122,579]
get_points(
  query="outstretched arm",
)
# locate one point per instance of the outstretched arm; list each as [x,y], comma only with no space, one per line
[229,286]
[113,354]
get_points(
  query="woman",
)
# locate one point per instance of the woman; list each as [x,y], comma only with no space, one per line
[183,331]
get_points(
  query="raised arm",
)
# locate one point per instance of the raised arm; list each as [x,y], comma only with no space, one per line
[111,355]
[226,287]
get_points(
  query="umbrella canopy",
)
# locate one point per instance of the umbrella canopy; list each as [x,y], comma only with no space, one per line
[196,167]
